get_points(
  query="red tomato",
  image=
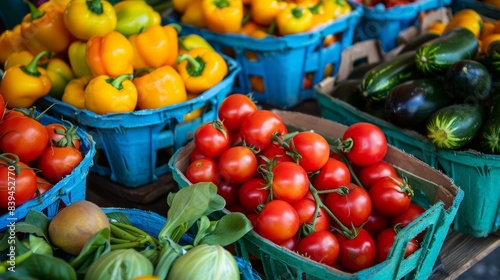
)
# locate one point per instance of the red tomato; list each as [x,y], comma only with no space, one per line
[275,152]
[42,186]
[356,253]
[252,194]
[289,182]
[23,136]
[58,132]
[321,246]
[306,208]
[391,196]
[257,129]
[203,170]
[368,175]
[2,107]
[212,139]
[352,208]
[229,192]
[195,154]
[16,189]
[385,241]
[58,162]
[237,164]
[332,175]
[311,149]
[234,109]
[291,244]
[376,223]
[278,221]
[367,143]
[408,216]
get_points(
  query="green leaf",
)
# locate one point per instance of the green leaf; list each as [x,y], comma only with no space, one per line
[229,229]
[96,246]
[39,245]
[119,217]
[39,266]
[38,219]
[205,226]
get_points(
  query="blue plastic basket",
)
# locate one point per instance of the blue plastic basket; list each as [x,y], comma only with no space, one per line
[483,9]
[386,24]
[70,189]
[281,63]
[152,223]
[134,147]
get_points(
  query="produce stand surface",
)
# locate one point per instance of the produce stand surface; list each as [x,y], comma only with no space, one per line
[459,252]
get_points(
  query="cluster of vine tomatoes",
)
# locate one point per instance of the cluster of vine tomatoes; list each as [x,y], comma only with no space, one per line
[34,156]
[334,201]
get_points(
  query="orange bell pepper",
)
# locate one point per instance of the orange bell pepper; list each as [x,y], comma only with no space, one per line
[22,85]
[111,55]
[105,95]
[180,6]
[193,14]
[11,41]
[294,19]
[223,16]
[74,92]
[43,29]
[159,87]
[265,11]
[253,29]
[157,46]
[201,69]
[85,19]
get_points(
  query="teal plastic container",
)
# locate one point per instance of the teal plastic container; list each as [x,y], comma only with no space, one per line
[134,147]
[433,191]
[483,9]
[70,189]
[279,64]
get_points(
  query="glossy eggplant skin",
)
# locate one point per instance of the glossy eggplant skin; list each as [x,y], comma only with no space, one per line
[410,104]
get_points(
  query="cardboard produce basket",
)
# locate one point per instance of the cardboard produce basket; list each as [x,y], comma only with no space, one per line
[70,189]
[475,173]
[134,147]
[274,68]
[433,190]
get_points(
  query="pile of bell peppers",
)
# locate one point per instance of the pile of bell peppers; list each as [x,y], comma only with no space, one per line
[260,18]
[104,57]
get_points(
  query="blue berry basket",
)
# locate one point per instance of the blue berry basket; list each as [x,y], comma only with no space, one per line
[133,148]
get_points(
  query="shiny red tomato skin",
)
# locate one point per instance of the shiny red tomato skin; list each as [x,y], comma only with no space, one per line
[313,149]
[290,182]
[370,174]
[229,192]
[321,246]
[388,197]
[237,164]
[257,129]
[42,186]
[412,213]
[54,131]
[357,253]
[385,241]
[23,136]
[234,109]
[292,243]
[203,170]
[274,152]
[252,193]
[56,163]
[24,184]
[278,221]
[369,143]
[2,107]
[376,223]
[354,208]
[332,175]
[212,139]
[306,208]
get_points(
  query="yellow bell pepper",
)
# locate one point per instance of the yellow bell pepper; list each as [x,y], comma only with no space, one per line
[85,19]
[11,41]
[60,74]
[159,87]
[196,112]
[77,60]
[22,85]
[191,41]
[201,69]
[294,19]
[253,29]
[132,16]
[180,5]
[319,12]
[111,55]
[223,16]
[43,29]
[157,46]
[193,14]
[22,57]
[264,12]
[336,8]
[74,92]
[105,94]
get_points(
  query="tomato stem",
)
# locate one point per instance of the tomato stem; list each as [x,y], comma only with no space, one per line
[347,162]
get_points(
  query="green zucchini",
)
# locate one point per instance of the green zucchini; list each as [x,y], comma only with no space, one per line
[437,55]
[489,135]
[454,126]
[379,81]
[419,40]
[493,57]
[467,80]
[349,91]
[411,103]
[359,71]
